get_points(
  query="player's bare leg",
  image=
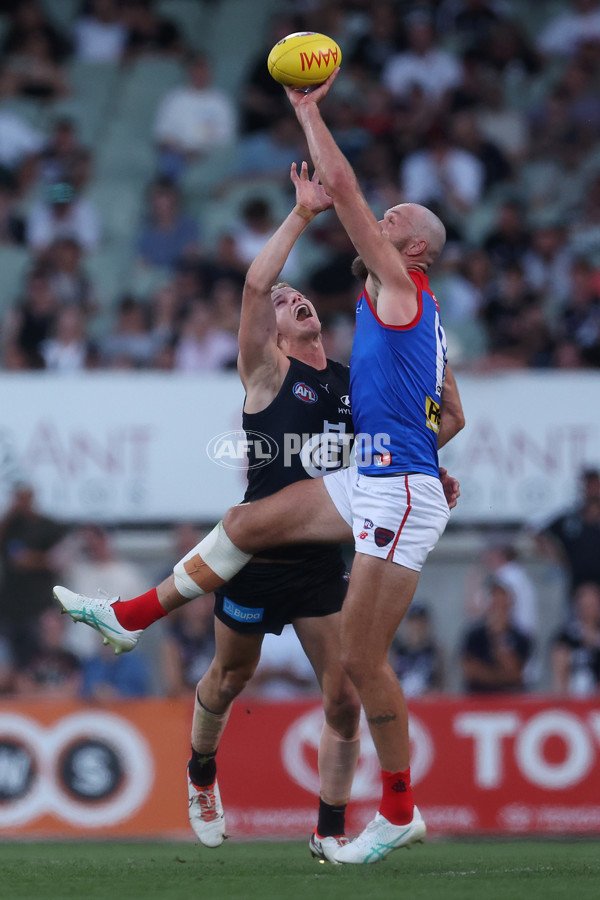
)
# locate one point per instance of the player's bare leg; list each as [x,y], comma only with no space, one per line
[380,592]
[302,512]
[339,747]
[234,663]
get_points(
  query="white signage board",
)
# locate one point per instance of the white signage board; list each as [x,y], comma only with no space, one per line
[125,447]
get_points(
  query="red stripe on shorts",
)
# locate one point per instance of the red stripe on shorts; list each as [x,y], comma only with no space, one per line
[403,522]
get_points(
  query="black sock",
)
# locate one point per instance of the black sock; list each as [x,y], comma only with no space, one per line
[202,768]
[332,820]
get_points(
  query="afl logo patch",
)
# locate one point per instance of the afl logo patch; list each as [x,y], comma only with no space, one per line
[305,393]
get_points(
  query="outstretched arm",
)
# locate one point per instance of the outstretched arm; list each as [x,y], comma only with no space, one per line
[258,326]
[339,180]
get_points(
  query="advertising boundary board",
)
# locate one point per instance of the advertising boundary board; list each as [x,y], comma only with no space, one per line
[510,765]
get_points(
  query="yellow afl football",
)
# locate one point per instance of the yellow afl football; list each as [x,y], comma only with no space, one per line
[303,58]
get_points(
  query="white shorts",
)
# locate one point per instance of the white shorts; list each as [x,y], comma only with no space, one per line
[400,517]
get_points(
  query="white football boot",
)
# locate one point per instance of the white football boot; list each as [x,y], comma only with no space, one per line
[206,814]
[380,837]
[325,848]
[97,612]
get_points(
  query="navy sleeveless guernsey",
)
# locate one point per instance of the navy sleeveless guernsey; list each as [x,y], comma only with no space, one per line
[396,378]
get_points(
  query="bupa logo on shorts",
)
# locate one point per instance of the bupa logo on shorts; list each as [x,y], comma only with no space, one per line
[304,392]
[383,536]
[368,524]
[242,613]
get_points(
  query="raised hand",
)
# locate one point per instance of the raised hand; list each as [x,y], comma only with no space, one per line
[310,193]
[299,96]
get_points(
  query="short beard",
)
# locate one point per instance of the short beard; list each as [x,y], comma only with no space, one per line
[358,269]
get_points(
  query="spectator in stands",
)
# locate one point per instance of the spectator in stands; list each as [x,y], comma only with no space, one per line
[131,343]
[32,320]
[262,101]
[149,32]
[501,562]
[203,345]
[193,120]
[168,235]
[580,319]
[584,233]
[345,122]
[62,213]
[332,286]
[444,174]
[547,265]
[517,335]
[268,152]
[12,227]
[510,240]
[106,677]
[51,672]
[19,141]
[510,53]
[66,351]
[377,171]
[381,41]
[99,34]
[573,538]
[188,646]
[32,72]
[494,653]
[66,276]
[252,231]
[423,63]
[576,647]
[470,20]
[500,122]
[64,158]
[468,136]
[414,654]
[29,572]
[564,33]
[29,18]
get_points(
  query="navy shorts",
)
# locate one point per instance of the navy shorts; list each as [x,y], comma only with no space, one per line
[264,597]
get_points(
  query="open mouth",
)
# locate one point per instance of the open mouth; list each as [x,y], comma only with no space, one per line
[302,312]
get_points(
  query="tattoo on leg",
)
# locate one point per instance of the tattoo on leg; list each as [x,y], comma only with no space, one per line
[382,718]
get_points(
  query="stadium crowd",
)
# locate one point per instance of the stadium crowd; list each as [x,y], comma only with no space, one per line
[138,176]
[44,654]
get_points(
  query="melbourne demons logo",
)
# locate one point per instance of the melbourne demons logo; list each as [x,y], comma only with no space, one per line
[316,59]
[304,392]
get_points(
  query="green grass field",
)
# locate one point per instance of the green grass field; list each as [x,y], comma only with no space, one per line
[533,870]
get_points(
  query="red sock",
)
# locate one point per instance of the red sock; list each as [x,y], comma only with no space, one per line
[139,612]
[397,802]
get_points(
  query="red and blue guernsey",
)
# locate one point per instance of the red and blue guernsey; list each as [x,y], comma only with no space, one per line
[396,378]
